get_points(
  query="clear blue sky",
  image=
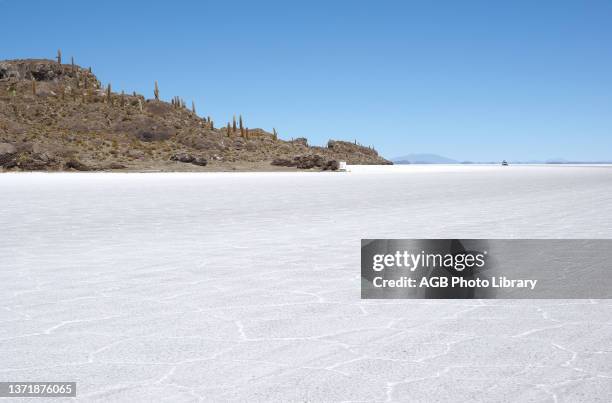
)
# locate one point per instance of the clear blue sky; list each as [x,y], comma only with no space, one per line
[471,80]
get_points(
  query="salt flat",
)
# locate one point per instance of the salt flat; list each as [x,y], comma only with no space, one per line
[246,286]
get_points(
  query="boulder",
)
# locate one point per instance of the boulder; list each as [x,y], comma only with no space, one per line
[7,153]
[309,161]
[29,161]
[301,141]
[282,162]
[331,165]
[77,165]
[201,161]
[183,157]
[189,159]
[39,70]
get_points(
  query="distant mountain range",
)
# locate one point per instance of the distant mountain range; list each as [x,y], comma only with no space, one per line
[423,159]
[438,159]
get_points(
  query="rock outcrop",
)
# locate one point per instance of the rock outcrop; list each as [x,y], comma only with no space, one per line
[307,162]
[189,159]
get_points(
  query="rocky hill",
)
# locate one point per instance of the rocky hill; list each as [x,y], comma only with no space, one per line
[56,116]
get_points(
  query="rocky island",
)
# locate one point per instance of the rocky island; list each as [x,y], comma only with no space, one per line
[56,117]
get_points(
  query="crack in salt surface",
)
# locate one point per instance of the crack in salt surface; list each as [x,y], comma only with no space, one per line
[284,287]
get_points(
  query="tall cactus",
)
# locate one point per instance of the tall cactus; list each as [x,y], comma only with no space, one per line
[108,93]
[59,56]
[274,134]
[156,92]
[72,63]
[234,125]
[193,107]
[228,129]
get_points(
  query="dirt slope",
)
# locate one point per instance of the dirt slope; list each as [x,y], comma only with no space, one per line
[58,116]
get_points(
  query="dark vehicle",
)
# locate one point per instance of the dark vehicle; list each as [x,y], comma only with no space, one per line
[504,163]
